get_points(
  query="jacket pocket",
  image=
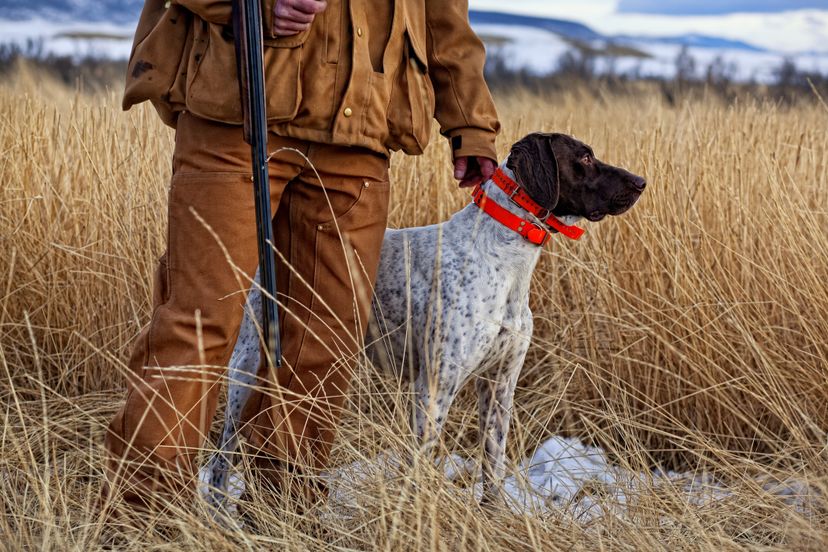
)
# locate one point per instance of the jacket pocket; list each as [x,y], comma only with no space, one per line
[161,47]
[212,86]
[411,108]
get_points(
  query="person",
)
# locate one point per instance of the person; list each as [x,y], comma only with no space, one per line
[348,81]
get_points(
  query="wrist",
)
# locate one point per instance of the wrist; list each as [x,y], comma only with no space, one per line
[473,142]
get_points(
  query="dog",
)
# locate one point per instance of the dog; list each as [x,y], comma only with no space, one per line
[451,300]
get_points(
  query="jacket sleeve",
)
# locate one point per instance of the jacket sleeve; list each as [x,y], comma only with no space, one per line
[456,56]
[220,12]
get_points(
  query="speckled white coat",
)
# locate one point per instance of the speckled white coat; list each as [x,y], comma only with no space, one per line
[451,305]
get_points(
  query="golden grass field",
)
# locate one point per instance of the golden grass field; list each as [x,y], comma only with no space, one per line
[691,333]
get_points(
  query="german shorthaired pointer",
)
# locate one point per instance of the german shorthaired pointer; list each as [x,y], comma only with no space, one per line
[452,299]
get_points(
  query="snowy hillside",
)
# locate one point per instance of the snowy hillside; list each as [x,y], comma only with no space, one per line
[622,44]
[540,52]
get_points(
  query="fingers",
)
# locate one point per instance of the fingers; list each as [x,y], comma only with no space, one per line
[289,14]
[487,167]
[473,171]
[461,166]
[308,6]
[291,17]
[471,182]
[284,27]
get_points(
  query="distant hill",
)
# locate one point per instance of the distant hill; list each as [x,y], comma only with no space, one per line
[694,40]
[567,29]
[581,33]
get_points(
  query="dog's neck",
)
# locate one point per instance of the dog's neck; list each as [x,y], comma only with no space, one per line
[493,239]
[495,193]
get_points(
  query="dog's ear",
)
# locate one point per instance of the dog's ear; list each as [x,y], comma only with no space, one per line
[533,161]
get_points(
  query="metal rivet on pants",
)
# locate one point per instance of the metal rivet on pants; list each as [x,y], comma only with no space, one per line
[366,183]
[320,227]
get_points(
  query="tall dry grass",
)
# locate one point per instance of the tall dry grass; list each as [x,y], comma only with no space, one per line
[691,333]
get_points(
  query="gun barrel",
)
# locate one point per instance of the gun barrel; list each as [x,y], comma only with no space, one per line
[247,23]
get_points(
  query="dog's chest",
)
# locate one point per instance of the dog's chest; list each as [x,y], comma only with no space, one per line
[438,298]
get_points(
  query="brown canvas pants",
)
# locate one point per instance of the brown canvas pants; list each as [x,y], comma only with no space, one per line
[329,234]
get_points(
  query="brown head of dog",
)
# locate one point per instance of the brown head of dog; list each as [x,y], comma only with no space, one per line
[563,175]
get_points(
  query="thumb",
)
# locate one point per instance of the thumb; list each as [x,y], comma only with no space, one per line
[461,166]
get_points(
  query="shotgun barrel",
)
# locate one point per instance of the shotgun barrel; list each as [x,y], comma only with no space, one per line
[247,32]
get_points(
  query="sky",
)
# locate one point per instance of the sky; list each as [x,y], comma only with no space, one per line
[586,8]
[714,7]
[779,25]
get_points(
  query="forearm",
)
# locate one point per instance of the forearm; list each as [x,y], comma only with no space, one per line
[456,56]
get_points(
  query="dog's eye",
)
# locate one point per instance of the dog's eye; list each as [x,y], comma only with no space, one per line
[586,160]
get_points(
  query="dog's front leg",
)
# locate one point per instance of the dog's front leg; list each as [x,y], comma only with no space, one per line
[242,368]
[496,391]
[433,396]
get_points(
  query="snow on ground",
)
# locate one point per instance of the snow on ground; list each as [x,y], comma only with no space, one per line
[563,476]
[569,478]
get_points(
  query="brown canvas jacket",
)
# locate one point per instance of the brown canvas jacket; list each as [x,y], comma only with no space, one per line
[322,84]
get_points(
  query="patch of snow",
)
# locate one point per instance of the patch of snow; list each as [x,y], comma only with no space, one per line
[562,476]
[529,48]
[568,477]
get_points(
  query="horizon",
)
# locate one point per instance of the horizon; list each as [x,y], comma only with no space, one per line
[783,26]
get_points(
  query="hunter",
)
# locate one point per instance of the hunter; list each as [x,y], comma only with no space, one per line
[347,83]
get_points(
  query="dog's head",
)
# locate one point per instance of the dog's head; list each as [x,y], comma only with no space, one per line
[563,175]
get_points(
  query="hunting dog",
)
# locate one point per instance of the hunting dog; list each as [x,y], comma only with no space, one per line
[451,300]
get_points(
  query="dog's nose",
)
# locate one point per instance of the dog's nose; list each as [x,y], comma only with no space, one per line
[639,183]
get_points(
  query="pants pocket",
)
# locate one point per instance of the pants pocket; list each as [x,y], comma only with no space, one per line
[347,253]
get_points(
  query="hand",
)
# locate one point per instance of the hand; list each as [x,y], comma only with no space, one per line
[471,171]
[291,17]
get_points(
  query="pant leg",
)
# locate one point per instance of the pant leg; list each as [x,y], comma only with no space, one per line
[178,362]
[331,234]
